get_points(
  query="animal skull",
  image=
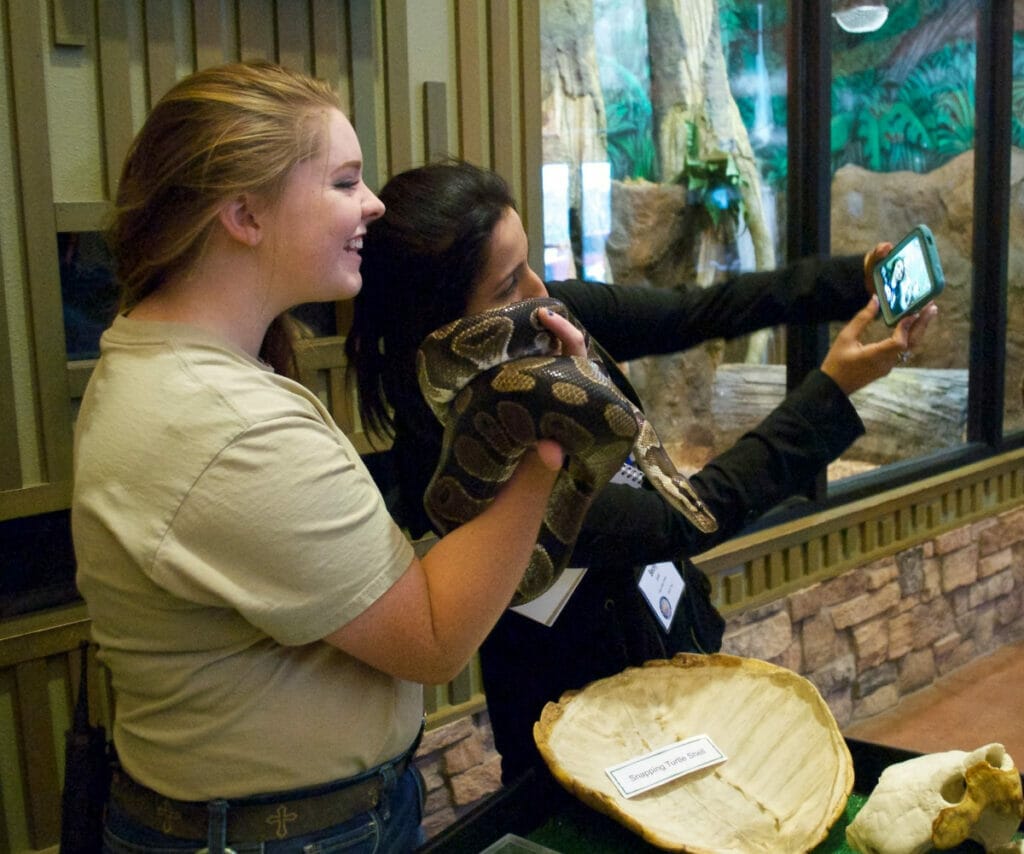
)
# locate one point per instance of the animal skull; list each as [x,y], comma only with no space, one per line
[940,800]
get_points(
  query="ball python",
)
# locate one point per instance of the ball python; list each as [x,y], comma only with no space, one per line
[497,384]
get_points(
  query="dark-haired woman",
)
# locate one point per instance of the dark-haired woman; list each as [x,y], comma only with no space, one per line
[451,244]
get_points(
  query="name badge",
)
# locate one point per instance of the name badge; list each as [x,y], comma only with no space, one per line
[662,586]
[662,766]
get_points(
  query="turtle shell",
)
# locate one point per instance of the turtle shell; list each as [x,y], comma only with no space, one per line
[786,778]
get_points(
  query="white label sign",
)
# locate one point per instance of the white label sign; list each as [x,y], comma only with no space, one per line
[669,763]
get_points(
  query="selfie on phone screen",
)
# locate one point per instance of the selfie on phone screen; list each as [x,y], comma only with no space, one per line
[909,276]
[905,279]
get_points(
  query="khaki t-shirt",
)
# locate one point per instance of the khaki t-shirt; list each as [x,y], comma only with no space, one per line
[223,525]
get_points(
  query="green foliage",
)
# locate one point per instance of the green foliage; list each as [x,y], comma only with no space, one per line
[1016,124]
[877,123]
[630,129]
[919,125]
[711,182]
[954,123]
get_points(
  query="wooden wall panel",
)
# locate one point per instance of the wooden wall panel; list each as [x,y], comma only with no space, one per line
[35,187]
[35,723]
[435,115]
[256,29]
[531,201]
[498,100]
[10,458]
[39,667]
[216,34]
[504,92]
[70,19]
[367,93]
[11,471]
[401,155]
[115,80]
[161,52]
[330,46]
[294,35]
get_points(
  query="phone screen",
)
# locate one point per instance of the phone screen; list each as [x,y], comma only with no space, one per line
[909,276]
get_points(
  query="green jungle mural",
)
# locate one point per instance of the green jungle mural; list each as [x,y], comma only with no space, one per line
[620,32]
[902,97]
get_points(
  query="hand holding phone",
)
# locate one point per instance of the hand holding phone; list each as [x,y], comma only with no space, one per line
[909,277]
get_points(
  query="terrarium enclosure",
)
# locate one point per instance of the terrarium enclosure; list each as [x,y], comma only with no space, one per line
[666,152]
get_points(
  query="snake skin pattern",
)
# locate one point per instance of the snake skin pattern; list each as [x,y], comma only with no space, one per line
[497,384]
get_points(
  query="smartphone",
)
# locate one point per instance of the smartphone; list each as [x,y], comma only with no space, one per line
[909,277]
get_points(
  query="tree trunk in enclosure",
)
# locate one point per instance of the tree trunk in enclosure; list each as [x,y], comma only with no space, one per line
[690,91]
[690,86]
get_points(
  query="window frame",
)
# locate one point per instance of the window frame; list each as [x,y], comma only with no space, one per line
[808,233]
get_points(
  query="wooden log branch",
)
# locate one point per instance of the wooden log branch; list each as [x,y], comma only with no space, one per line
[910,412]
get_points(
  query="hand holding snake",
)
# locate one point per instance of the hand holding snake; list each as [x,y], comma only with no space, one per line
[498,384]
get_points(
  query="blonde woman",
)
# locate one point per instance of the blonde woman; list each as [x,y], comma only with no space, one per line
[265,622]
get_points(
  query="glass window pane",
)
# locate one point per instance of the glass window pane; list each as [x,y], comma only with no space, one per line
[90,296]
[685,186]
[902,154]
[88,291]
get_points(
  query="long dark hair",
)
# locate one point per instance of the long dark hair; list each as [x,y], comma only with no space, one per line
[420,263]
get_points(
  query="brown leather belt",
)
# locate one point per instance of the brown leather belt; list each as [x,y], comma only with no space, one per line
[269,819]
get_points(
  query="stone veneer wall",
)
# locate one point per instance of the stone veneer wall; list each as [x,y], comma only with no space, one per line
[884,630]
[459,766]
[865,638]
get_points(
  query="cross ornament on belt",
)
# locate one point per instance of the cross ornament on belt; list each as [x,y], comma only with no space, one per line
[281,819]
[169,815]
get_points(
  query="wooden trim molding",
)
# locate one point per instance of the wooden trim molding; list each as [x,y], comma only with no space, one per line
[35,499]
[30,130]
[10,458]
[531,202]
[401,155]
[472,72]
[365,49]
[751,570]
[70,22]
[435,119]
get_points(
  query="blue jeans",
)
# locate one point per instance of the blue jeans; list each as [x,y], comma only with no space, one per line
[393,827]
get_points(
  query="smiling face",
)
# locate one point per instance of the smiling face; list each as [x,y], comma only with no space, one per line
[507,276]
[316,228]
